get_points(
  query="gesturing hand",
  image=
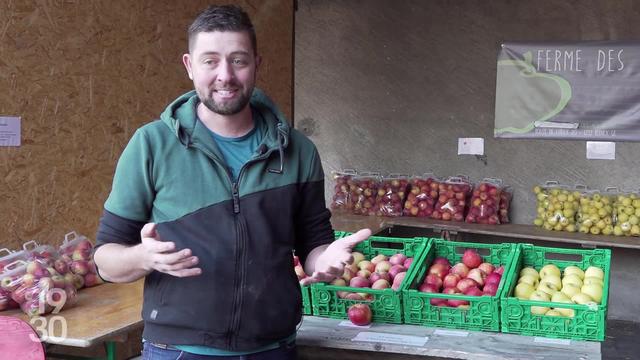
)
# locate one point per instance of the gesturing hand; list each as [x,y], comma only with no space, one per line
[160,255]
[330,264]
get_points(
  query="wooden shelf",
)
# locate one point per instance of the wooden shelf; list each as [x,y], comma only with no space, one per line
[349,222]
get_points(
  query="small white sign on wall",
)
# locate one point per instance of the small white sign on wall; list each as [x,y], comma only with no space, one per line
[9,131]
[601,150]
[470,146]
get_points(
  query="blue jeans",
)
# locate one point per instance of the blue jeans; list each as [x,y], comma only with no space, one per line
[154,352]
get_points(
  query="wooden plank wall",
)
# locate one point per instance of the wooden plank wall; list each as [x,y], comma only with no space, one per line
[83,75]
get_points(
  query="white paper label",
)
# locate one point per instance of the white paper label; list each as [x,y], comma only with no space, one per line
[601,150]
[552,341]
[451,333]
[350,324]
[391,338]
[470,146]
[9,131]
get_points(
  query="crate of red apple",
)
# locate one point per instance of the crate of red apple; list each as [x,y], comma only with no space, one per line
[375,278]
[458,285]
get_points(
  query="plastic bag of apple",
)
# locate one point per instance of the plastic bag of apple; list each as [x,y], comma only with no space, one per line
[421,196]
[376,277]
[391,194]
[452,199]
[557,206]
[365,192]
[343,186]
[595,213]
[485,202]
[77,253]
[505,203]
[37,287]
[458,285]
[626,212]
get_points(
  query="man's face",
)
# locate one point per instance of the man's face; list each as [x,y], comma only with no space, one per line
[223,68]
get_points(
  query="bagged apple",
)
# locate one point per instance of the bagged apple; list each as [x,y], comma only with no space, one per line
[365,192]
[77,253]
[422,195]
[595,213]
[391,194]
[343,185]
[45,253]
[626,214]
[452,199]
[557,206]
[505,203]
[485,202]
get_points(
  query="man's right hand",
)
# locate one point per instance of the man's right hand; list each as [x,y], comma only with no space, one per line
[161,255]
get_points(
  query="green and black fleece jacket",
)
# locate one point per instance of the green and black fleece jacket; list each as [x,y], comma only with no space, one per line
[172,173]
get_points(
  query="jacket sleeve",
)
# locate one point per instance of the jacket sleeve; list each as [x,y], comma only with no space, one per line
[312,222]
[129,204]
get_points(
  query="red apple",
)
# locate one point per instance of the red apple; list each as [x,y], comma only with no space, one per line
[477,275]
[383,266]
[60,266]
[473,291]
[364,273]
[381,284]
[471,258]
[360,282]
[466,283]
[407,263]
[428,288]
[442,260]
[490,289]
[378,258]
[433,279]
[440,270]
[461,269]
[359,314]
[488,268]
[395,270]
[397,280]
[377,276]
[493,278]
[81,267]
[398,259]
[499,270]
[451,280]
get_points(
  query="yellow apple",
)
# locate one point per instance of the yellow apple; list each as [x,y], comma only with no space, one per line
[554,282]
[549,269]
[570,290]
[573,270]
[582,298]
[539,296]
[529,279]
[560,297]
[539,310]
[593,280]
[593,271]
[572,279]
[529,271]
[594,291]
[547,288]
[552,312]
[523,291]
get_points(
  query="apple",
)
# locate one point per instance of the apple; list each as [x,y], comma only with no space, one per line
[78,281]
[451,280]
[490,289]
[407,263]
[397,280]
[421,197]
[539,296]
[28,279]
[477,275]
[594,291]
[549,269]
[357,257]
[438,302]
[7,283]
[588,280]
[434,280]
[359,314]
[547,288]
[46,283]
[364,195]
[573,270]
[342,187]
[428,288]
[593,271]
[493,278]
[338,282]
[553,312]
[499,270]
[348,274]
[360,282]
[397,259]
[570,290]
[471,258]
[383,266]
[378,258]
[466,283]
[391,196]
[366,265]
[377,276]
[523,291]
[473,291]
[364,273]
[552,281]
[460,269]
[488,268]
[572,279]
[80,267]
[60,266]
[529,271]
[440,270]
[442,260]
[582,299]
[529,279]
[381,284]
[395,270]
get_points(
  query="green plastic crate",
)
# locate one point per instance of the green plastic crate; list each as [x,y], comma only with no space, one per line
[306,290]
[588,323]
[483,311]
[386,305]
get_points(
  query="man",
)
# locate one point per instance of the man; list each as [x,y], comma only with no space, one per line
[208,204]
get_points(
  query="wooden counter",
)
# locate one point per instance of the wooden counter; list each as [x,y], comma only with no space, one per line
[349,222]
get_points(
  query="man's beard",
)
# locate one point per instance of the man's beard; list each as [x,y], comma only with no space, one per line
[228,107]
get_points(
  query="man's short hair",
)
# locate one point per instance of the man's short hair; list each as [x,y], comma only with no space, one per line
[222,18]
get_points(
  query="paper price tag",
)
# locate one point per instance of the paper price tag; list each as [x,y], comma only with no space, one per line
[391,338]
[601,150]
[9,131]
[451,333]
[350,324]
[470,146]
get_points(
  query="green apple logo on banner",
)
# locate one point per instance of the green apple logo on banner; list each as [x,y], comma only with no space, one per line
[525,97]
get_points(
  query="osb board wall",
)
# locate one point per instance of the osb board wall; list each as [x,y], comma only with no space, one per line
[83,75]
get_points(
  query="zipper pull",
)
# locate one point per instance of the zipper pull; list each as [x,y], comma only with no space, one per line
[236,198]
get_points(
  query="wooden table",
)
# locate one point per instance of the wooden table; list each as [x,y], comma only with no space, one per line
[102,314]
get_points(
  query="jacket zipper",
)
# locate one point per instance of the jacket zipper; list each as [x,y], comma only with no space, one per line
[240,230]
